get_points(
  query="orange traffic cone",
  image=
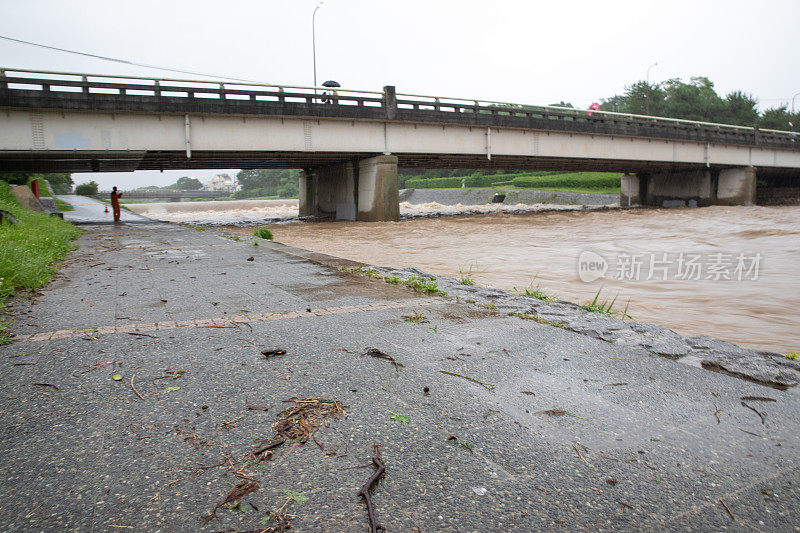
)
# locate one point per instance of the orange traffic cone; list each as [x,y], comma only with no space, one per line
[106,208]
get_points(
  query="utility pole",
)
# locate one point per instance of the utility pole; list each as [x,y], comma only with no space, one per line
[314,39]
[647,82]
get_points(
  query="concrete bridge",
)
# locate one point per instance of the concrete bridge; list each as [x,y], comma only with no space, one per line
[351,143]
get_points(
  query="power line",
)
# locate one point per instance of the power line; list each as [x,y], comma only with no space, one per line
[123,61]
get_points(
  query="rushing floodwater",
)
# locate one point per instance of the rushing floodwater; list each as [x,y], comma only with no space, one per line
[758,311]
[760,245]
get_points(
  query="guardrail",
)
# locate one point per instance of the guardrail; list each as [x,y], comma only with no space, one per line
[385,105]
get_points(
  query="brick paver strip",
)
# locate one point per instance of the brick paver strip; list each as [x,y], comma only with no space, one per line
[218,321]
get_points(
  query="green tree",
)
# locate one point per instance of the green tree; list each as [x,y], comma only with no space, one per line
[696,100]
[779,118]
[188,184]
[86,189]
[740,108]
[641,98]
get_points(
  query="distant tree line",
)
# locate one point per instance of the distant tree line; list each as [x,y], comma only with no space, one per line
[267,182]
[697,100]
[183,184]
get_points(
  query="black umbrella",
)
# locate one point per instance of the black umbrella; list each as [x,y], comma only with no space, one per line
[331,83]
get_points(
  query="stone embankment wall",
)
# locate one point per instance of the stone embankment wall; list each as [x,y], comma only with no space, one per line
[513,196]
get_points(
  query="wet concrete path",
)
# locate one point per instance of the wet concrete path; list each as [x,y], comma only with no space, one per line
[566,432]
[90,211]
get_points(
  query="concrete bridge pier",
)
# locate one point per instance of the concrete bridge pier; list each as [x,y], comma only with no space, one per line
[363,190]
[730,186]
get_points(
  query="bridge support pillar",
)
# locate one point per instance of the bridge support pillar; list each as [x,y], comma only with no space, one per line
[736,186]
[629,193]
[378,196]
[732,186]
[364,190]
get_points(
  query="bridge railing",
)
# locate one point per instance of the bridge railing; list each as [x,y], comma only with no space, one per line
[391,103]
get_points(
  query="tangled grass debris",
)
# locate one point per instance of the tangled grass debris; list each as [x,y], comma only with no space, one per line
[299,422]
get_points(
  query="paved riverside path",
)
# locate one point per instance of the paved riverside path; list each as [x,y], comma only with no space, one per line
[644,442]
[89,210]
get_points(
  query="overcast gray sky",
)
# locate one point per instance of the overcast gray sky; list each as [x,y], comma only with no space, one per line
[533,52]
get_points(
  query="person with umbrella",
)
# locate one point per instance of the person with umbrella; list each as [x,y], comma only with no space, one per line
[331,95]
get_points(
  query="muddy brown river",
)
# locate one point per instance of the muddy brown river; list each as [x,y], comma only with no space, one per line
[727,272]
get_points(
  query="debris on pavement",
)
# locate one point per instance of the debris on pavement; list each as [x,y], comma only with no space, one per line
[559,412]
[270,353]
[483,384]
[380,469]
[374,352]
[253,407]
[239,491]
[301,420]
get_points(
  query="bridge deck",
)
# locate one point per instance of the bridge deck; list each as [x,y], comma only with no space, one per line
[30,90]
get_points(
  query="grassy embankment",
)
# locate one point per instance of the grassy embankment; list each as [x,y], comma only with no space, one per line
[61,205]
[28,250]
[585,182]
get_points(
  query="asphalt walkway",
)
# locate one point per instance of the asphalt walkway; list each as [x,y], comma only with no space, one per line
[492,423]
[91,211]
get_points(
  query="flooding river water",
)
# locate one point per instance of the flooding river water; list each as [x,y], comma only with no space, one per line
[727,272]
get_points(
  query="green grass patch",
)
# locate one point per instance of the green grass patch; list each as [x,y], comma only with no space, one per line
[263,233]
[427,286]
[540,320]
[418,283]
[591,181]
[537,292]
[63,206]
[605,307]
[792,355]
[466,275]
[29,249]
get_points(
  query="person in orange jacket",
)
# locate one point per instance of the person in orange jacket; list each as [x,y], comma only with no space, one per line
[115,196]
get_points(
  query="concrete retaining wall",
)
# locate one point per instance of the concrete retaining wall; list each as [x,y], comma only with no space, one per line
[513,196]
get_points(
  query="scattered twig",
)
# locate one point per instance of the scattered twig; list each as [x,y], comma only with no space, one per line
[269,446]
[245,323]
[579,454]
[239,491]
[34,510]
[489,386]
[559,412]
[142,335]
[380,468]
[726,508]
[253,407]
[616,384]
[134,388]
[751,433]
[374,352]
[716,412]
[624,504]
[45,385]
[763,417]
[229,423]
[758,399]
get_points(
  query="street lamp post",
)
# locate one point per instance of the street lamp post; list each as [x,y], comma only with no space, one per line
[793,97]
[314,39]
[647,82]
